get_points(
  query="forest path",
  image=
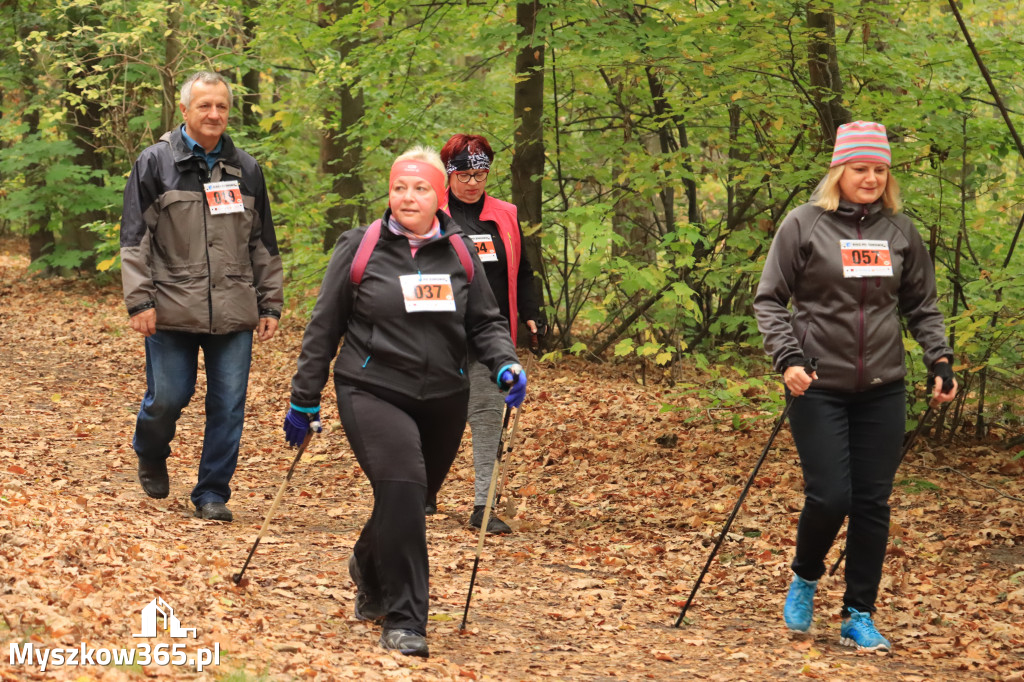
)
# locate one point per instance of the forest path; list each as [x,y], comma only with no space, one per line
[611,532]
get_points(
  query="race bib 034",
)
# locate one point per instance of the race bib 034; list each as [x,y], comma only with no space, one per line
[485,247]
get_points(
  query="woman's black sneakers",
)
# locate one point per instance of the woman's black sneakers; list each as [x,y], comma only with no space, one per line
[367,607]
[495,526]
[430,508]
[406,642]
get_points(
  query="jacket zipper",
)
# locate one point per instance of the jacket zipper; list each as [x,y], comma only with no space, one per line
[863,298]
[204,175]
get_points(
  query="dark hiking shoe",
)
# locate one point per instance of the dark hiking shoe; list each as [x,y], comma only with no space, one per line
[367,607]
[153,477]
[495,526]
[406,642]
[430,508]
[214,511]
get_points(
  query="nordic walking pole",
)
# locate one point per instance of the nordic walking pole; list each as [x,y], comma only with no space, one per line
[503,463]
[906,448]
[810,365]
[487,513]
[313,426]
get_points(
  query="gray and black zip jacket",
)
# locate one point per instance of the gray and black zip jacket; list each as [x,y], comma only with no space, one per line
[850,324]
[422,355]
[210,274]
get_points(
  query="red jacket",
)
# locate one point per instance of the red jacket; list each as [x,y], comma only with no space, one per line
[506,217]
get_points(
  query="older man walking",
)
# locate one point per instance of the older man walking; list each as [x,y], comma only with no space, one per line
[200,270]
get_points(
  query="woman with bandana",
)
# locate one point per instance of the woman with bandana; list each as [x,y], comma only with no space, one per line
[493,225]
[411,314]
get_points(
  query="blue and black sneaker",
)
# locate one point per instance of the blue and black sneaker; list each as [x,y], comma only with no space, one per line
[859,631]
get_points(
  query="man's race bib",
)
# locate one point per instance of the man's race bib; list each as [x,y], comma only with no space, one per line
[865,258]
[427,293]
[485,247]
[224,197]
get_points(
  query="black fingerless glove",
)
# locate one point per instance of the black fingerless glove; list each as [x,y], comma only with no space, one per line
[809,364]
[944,371]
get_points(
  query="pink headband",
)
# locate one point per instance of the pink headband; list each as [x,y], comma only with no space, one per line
[419,169]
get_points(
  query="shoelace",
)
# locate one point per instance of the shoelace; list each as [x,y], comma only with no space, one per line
[863,626]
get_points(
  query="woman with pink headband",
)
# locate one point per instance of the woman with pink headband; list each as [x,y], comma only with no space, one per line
[411,313]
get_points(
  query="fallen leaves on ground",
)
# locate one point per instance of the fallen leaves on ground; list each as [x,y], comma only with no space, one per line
[617,506]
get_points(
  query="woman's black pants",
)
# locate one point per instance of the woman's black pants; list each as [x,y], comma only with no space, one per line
[849,446]
[405,447]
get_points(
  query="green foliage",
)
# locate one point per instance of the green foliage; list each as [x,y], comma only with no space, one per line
[677,137]
[917,485]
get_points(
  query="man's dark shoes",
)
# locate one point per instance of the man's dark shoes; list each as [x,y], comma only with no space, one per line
[406,642]
[214,511]
[368,607]
[153,477]
[495,526]
[431,506]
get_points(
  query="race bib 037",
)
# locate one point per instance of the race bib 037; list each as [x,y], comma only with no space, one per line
[427,293]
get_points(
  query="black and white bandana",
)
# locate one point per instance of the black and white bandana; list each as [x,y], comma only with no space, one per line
[464,161]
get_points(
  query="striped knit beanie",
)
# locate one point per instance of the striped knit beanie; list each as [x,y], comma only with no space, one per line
[861,141]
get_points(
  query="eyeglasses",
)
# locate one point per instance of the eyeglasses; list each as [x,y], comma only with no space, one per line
[479,176]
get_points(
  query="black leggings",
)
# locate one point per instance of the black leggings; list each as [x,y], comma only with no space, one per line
[405,447]
[849,446]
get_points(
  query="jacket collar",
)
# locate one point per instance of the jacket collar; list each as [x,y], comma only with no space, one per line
[183,155]
[448,226]
[850,211]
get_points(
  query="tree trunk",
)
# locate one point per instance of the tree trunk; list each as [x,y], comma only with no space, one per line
[823,66]
[40,239]
[528,156]
[340,149]
[169,112]
[251,77]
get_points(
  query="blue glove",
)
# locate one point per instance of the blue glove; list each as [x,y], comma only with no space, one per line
[297,422]
[514,379]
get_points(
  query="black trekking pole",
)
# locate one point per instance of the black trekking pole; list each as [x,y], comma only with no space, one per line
[313,426]
[906,448]
[487,506]
[810,365]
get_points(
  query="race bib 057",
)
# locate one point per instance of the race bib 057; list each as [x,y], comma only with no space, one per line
[865,258]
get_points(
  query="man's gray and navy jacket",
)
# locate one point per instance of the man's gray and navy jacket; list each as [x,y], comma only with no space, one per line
[422,355]
[851,324]
[211,274]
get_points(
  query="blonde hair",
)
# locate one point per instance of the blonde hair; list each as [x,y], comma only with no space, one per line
[826,195]
[424,154]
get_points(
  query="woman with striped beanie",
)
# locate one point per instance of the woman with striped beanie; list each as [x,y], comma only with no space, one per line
[841,271]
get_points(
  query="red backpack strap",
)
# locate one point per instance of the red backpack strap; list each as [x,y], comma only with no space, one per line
[364,251]
[463,253]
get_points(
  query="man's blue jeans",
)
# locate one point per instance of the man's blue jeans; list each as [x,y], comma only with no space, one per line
[172,361]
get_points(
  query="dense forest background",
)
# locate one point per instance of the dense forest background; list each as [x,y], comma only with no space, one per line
[652,149]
